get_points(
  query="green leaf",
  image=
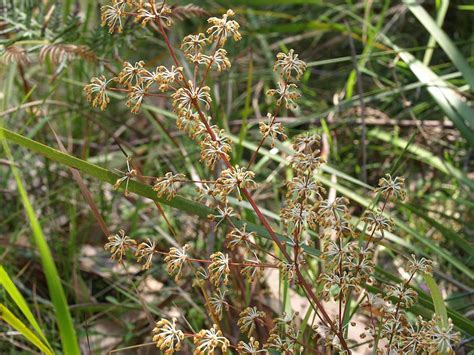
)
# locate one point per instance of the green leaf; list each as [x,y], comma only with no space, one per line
[438,302]
[18,325]
[448,98]
[58,297]
[443,40]
[17,297]
[424,156]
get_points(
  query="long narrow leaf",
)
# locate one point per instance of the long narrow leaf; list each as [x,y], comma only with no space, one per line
[438,302]
[17,297]
[449,99]
[9,318]
[443,40]
[423,155]
[58,297]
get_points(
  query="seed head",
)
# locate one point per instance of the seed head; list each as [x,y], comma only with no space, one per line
[273,129]
[218,302]
[248,318]
[392,188]
[184,98]
[118,244]
[219,59]
[135,97]
[286,94]
[219,269]
[250,348]
[111,15]
[213,150]
[238,236]
[145,251]
[222,28]
[175,260]
[207,340]
[168,185]
[286,64]
[167,337]
[423,265]
[406,295]
[96,92]
[131,75]
[235,179]
[151,11]
[193,46]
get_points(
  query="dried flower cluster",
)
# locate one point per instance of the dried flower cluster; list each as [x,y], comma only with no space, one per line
[309,214]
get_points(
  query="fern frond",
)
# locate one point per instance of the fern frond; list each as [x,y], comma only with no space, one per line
[15,54]
[58,53]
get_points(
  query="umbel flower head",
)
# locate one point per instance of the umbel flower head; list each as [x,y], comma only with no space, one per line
[167,337]
[207,340]
[248,318]
[111,15]
[96,92]
[145,251]
[222,28]
[219,269]
[152,11]
[286,64]
[118,244]
[168,185]
[272,129]
[175,260]
[391,188]
[235,179]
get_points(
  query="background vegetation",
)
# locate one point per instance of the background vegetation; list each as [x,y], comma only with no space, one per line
[389,85]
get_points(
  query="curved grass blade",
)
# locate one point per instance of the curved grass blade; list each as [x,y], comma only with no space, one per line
[448,98]
[438,302]
[66,329]
[443,40]
[9,318]
[424,156]
[20,302]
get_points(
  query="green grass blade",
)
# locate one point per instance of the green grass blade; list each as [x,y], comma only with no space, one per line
[449,234]
[9,318]
[20,302]
[438,302]
[440,16]
[449,99]
[58,297]
[424,156]
[443,40]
